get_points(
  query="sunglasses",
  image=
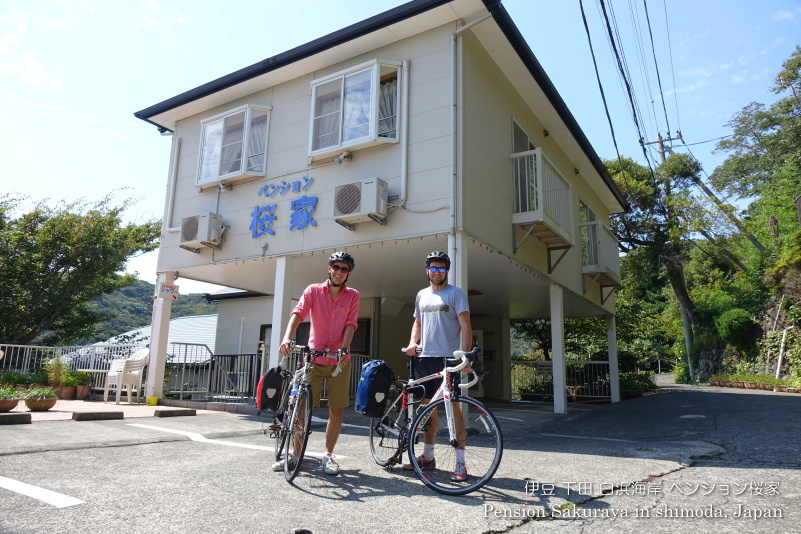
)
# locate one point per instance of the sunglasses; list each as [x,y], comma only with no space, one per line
[345,270]
[438,269]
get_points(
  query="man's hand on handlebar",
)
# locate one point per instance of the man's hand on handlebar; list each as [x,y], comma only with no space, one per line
[413,349]
[285,348]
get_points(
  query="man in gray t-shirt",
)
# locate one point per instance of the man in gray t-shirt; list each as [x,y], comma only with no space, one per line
[441,326]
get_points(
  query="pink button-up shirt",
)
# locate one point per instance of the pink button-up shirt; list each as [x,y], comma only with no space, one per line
[329,317]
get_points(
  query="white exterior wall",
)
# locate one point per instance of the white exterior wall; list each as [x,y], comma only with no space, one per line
[242,318]
[429,165]
[490,106]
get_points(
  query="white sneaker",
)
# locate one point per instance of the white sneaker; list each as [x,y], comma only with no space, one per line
[279,465]
[330,467]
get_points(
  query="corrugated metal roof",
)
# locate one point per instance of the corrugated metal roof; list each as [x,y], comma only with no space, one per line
[198,329]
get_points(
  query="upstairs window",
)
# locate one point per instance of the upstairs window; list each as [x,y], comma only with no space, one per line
[233,145]
[355,108]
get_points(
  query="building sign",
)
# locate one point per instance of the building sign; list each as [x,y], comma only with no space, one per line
[168,292]
[263,217]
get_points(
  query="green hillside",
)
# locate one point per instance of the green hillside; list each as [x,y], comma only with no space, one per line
[131,308]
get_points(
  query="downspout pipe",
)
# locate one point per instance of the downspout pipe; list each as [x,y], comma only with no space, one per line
[454,137]
[404,170]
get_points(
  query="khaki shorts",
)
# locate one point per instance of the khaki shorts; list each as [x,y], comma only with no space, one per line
[338,387]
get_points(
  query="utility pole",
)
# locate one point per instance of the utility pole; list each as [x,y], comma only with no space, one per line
[661,142]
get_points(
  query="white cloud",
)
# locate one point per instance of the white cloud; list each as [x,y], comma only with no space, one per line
[783,15]
[120,136]
[178,17]
[92,119]
[17,17]
[152,6]
[147,22]
[51,107]
[26,67]
[61,25]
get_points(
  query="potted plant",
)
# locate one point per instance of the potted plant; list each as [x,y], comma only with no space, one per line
[57,373]
[83,384]
[9,397]
[68,386]
[40,398]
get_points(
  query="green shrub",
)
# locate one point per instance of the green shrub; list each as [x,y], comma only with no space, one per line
[14,378]
[9,392]
[681,373]
[736,327]
[637,381]
[39,392]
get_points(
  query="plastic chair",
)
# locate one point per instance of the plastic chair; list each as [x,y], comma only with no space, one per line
[127,372]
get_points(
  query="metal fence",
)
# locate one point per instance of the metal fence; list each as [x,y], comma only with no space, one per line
[29,359]
[193,372]
[585,380]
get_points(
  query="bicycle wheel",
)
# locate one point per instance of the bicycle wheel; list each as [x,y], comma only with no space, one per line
[299,425]
[387,432]
[483,447]
[282,430]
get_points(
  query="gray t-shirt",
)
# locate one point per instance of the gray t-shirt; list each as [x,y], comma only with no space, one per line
[438,312]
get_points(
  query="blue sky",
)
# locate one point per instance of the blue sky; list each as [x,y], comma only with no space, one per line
[73,72]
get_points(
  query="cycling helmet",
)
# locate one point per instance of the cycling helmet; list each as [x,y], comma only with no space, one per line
[343,257]
[438,256]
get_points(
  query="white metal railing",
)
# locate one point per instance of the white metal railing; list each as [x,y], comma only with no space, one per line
[585,380]
[27,359]
[193,372]
[541,190]
[599,247]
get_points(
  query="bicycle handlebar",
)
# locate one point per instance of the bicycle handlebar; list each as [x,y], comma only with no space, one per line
[466,357]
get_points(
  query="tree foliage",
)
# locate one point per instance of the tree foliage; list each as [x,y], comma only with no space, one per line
[55,260]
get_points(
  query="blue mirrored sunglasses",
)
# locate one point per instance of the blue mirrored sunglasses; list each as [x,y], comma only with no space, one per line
[438,269]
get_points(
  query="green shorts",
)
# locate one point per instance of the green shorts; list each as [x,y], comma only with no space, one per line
[337,388]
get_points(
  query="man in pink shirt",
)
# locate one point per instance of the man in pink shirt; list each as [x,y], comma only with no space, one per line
[334,310]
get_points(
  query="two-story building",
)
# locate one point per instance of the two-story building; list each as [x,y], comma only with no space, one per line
[428,127]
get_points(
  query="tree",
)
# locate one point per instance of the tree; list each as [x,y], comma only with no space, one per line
[54,260]
[663,214]
[764,161]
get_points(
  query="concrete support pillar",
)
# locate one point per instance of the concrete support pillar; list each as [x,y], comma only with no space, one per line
[282,305]
[457,252]
[611,341]
[558,349]
[159,332]
[505,358]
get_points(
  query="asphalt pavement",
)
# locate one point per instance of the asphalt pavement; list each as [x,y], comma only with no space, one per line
[684,457]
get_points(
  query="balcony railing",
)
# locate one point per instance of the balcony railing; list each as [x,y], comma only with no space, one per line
[542,199]
[599,252]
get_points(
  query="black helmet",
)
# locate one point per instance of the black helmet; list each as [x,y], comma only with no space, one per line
[343,257]
[438,256]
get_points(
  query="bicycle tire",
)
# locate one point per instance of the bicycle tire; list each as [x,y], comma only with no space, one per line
[483,447]
[300,428]
[283,430]
[387,433]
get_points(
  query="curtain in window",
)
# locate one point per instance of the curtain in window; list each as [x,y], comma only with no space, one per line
[257,142]
[233,134]
[387,108]
[356,116]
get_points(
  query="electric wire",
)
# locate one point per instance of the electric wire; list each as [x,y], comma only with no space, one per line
[656,65]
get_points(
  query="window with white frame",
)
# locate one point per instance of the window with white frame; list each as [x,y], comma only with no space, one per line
[233,145]
[355,108]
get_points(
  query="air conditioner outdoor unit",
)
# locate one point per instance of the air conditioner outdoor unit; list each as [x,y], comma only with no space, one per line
[204,230]
[361,201]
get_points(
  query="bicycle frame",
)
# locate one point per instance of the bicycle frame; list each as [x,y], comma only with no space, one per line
[444,391]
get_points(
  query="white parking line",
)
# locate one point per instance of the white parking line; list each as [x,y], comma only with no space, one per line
[59,500]
[194,436]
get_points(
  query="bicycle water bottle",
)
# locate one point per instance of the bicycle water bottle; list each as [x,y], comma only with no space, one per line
[294,390]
